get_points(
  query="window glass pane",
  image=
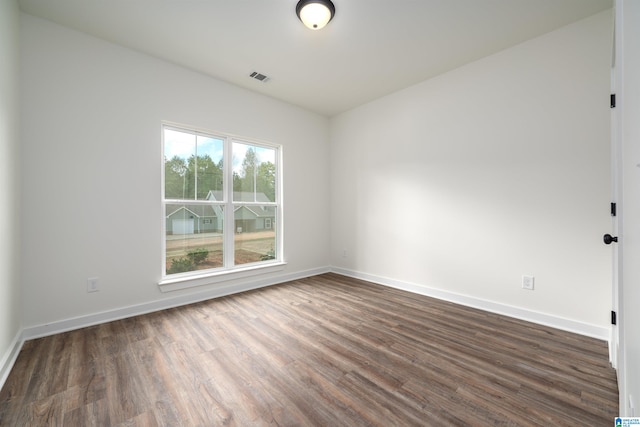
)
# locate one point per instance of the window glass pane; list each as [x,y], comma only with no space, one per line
[254,173]
[193,166]
[193,237]
[179,182]
[255,233]
[208,168]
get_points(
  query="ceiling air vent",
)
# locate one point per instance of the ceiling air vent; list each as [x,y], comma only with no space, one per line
[258,76]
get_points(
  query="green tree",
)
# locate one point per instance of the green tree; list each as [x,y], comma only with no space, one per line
[175,178]
[237,182]
[183,177]
[208,175]
[248,174]
[266,180]
[256,176]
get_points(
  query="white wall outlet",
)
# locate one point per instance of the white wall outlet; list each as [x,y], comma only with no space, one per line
[344,253]
[527,282]
[93,284]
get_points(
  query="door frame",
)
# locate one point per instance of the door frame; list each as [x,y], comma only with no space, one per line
[616,341]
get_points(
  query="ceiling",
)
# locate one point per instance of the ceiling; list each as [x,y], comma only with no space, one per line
[370,49]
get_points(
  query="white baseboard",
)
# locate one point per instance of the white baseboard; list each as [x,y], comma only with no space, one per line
[569,325]
[120,313]
[9,358]
[136,310]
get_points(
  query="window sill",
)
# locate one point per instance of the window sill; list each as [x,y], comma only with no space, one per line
[210,278]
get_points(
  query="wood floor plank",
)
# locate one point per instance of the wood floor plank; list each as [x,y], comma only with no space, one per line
[92,414]
[150,359]
[325,350]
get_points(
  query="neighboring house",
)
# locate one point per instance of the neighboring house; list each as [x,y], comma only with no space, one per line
[254,218]
[249,218]
[195,219]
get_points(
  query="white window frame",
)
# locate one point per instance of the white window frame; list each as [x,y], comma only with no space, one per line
[228,271]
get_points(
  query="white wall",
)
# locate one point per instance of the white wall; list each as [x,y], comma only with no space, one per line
[629,107]
[461,184]
[458,185]
[92,163]
[10,315]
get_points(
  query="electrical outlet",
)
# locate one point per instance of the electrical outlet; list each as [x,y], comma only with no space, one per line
[344,253]
[527,282]
[93,284]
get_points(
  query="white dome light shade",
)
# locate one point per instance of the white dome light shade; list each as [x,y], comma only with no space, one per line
[315,14]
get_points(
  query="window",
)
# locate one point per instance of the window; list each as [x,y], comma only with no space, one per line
[221,204]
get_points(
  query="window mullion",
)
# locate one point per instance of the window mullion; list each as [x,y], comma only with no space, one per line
[229,217]
[255,180]
[195,172]
[279,203]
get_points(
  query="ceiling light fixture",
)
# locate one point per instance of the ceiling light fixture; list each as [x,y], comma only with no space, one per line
[315,14]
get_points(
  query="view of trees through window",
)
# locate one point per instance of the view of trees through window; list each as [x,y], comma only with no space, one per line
[198,223]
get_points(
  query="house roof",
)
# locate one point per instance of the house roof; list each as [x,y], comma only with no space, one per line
[201,211]
[240,196]
[198,211]
[258,211]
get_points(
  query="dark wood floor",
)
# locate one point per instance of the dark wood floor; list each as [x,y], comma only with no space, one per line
[322,351]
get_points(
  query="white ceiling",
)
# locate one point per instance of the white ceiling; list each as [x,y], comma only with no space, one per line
[370,49]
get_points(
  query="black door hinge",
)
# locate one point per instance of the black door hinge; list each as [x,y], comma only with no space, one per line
[613,100]
[614,320]
[613,209]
